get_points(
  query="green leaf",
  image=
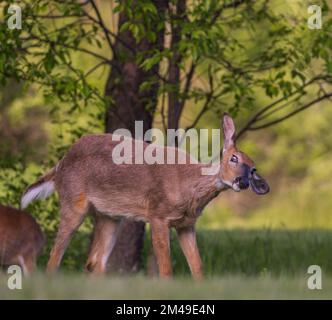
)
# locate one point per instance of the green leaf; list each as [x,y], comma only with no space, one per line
[329,66]
[49,62]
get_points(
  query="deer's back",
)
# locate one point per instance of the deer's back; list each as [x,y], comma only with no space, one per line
[19,234]
[88,168]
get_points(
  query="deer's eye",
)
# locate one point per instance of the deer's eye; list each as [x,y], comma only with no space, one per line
[234,159]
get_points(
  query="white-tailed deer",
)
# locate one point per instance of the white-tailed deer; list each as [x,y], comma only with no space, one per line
[21,239]
[168,195]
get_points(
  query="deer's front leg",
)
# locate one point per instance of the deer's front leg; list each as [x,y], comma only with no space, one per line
[161,247]
[187,239]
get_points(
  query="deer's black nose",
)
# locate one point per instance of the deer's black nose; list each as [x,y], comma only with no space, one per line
[243,182]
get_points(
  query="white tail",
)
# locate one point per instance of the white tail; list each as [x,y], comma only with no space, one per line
[41,189]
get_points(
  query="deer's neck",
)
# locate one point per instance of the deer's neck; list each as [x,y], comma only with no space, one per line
[206,188]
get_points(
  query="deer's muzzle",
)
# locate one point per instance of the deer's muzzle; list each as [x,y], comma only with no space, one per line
[242,182]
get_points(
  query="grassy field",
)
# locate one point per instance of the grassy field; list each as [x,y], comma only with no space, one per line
[228,287]
[239,264]
[240,252]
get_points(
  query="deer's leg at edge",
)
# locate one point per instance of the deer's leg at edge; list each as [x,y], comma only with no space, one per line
[104,238]
[161,246]
[187,239]
[70,221]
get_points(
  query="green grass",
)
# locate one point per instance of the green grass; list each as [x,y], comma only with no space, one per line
[239,264]
[241,252]
[73,286]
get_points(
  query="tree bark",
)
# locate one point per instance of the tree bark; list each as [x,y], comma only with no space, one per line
[174,104]
[128,105]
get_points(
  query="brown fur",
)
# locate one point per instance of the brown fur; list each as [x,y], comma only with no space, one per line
[164,195]
[21,239]
[80,203]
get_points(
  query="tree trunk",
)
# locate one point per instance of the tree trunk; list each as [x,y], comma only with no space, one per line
[128,105]
[174,105]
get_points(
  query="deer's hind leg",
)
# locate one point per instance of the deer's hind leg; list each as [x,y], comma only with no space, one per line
[104,237]
[72,216]
[27,263]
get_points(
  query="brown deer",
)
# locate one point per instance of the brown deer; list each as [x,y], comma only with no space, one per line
[21,239]
[164,195]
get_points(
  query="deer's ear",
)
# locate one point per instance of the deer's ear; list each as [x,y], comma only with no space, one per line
[228,130]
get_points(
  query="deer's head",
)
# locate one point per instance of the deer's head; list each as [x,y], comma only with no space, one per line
[238,171]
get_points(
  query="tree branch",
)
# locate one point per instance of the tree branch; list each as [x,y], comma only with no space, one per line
[187,85]
[208,99]
[120,40]
[234,4]
[54,43]
[258,115]
[94,68]
[291,114]
[102,24]
[59,16]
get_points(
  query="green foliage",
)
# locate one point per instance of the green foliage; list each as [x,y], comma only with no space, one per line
[42,52]
[144,19]
[247,49]
[11,181]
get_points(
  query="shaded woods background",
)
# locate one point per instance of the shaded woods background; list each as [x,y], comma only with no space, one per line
[93,66]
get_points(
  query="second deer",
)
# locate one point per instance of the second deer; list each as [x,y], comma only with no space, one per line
[21,239]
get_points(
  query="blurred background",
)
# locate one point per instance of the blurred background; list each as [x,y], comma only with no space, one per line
[180,64]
